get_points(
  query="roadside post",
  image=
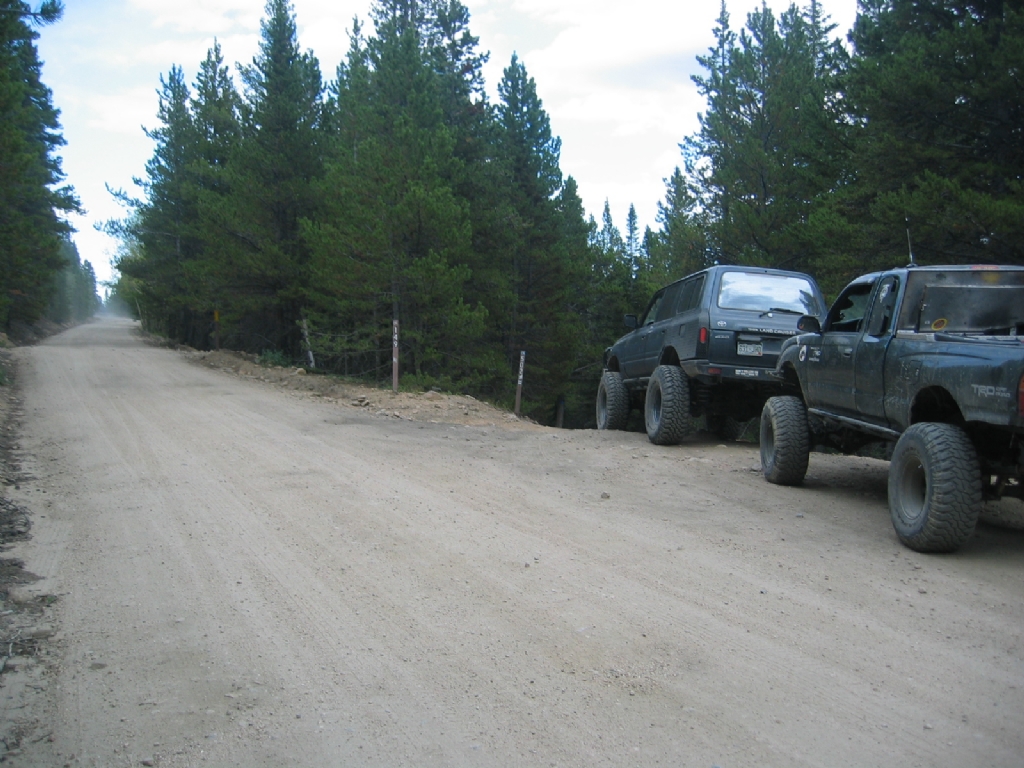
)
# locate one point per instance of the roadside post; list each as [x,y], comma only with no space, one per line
[519,385]
[216,329]
[394,356]
[309,347]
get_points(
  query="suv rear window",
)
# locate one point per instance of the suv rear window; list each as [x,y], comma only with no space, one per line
[763,292]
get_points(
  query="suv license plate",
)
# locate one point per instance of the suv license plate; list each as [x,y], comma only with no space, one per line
[751,350]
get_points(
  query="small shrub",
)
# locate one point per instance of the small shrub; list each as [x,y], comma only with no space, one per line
[273,357]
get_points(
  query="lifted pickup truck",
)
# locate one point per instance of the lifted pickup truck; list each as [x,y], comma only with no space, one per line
[706,345]
[928,361]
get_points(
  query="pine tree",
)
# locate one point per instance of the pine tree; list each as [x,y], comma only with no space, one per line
[73,298]
[935,89]
[270,175]
[177,272]
[32,206]
[609,238]
[679,247]
[771,143]
[164,224]
[545,268]
[633,242]
[214,107]
[392,242]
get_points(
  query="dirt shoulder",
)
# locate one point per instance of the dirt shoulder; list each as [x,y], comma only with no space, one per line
[433,406]
[26,630]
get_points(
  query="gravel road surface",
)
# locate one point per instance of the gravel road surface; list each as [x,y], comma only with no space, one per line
[236,574]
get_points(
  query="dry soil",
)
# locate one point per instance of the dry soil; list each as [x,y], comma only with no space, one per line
[250,567]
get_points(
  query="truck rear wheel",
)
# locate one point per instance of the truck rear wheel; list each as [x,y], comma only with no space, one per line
[667,406]
[785,440]
[612,402]
[934,487]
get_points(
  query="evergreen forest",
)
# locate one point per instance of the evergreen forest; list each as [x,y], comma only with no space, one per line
[284,213]
[41,273]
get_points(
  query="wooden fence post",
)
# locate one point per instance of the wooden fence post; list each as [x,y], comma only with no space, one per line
[309,348]
[519,385]
[394,356]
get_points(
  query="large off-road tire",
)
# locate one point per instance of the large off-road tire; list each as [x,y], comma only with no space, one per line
[667,406]
[934,487]
[785,440]
[724,426]
[612,402]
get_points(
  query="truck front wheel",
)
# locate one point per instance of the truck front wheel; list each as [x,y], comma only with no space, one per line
[785,440]
[612,402]
[667,406]
[934,487]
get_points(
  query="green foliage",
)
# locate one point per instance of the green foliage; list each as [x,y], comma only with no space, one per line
[271,358]
[812,158]
[312,218]
[936,90]
[771,144]
[73,298]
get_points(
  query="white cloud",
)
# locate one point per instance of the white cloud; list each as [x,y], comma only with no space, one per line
[207,17]
[122,112]
[615,80]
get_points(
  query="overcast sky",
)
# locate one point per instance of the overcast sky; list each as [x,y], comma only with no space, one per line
[614,76]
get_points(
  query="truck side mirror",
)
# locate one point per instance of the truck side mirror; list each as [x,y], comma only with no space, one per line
[808,324]
[630,321]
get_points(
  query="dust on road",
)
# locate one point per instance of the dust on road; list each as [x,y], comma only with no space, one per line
[240,573]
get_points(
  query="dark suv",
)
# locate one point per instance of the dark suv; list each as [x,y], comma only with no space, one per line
[706,345]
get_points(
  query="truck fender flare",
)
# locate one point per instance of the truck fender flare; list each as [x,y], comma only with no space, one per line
[934,403]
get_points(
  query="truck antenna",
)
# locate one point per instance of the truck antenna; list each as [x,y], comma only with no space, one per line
[910,248]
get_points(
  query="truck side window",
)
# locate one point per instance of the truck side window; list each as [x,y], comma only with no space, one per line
[884,307]
[847,314]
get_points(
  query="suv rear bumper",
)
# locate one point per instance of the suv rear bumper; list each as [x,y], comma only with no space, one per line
[710,373]
[706,373]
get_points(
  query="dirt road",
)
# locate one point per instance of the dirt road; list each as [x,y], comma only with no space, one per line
[241,575]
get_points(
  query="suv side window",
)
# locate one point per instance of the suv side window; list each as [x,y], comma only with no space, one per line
[847,314]
[668,304]
[689,298]
[652,308]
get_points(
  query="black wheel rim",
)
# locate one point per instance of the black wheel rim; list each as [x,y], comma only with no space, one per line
[913,489]
[656,407]
[767,441]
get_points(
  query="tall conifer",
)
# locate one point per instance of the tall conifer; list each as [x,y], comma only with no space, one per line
[271,173]
[32,206]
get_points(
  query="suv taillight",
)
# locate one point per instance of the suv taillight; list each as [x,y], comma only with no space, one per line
[704,340]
